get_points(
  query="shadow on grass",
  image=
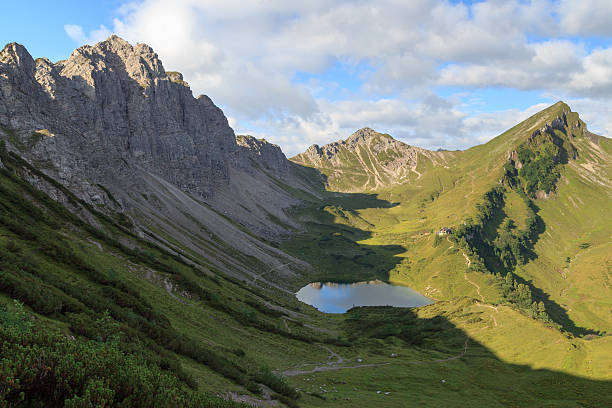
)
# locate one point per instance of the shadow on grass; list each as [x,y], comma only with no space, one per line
[494,264]
[473,374]
[331,241]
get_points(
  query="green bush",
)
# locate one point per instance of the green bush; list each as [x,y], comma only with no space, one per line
[45,368]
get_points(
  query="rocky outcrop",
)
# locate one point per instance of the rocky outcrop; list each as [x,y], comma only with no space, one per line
[108,118]
[368,160]
[107,110]
[265,155]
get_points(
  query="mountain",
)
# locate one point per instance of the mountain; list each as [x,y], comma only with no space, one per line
[118,101]
[528,214]
[553,177]
[149,256]
[122,134]
[368,161]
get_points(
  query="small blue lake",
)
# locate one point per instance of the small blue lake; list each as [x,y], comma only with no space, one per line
[331,297]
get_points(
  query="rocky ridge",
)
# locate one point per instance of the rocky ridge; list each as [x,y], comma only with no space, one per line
[108,109]
[369,160]
[103,120]
[268,156]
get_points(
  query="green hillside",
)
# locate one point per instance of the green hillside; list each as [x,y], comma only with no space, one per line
[535,234]
[522,287]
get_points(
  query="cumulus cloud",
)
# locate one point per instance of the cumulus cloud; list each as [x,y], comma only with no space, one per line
[387,59]
[545,65]
[586,17]
[77,34]
[432,123]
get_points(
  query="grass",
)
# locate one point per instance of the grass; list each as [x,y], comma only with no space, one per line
[387,234]
[576,214]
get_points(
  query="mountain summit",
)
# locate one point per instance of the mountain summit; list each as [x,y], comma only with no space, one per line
[108,105]
[157,252]
[109,116]
[369,160]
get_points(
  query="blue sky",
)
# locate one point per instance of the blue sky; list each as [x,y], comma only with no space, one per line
[39,25]
[432,73]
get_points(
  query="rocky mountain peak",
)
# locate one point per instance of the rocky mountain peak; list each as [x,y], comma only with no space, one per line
[367,135]
[362,135]
[367,160]
[113,104]
[264,154]
[115,57]
[16,55]
[561,117]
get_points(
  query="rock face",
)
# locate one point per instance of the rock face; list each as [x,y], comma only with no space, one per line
[368,160]
[266,155]
[109,119]
[107,110]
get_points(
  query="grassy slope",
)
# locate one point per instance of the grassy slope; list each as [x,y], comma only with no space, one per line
[406,376]
[155,276]
[447,196]
[392,231]
[578,227]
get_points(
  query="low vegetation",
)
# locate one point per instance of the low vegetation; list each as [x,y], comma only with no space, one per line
[42,367]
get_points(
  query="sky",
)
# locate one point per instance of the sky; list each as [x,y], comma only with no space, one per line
[435,74]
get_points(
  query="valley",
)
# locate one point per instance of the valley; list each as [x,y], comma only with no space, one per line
[177,247]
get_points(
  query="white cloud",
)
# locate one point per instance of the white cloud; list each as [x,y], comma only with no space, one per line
[586,17]
[595,79]
[77,34]
[245,54]
[595,114]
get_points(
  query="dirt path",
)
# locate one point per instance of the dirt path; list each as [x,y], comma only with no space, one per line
[335,365]
[444,360]
[293,373]
[467,259]
[260,276]
[475,285]
[332,354]
[468,263]
[492,307]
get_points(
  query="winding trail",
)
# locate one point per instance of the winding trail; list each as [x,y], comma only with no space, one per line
[475,285]
[260,276]
[492,307]
[332,354]
[467,259]
[468,262]
[333,366]
[293,373]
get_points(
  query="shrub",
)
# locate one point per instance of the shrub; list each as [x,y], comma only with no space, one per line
[45,368]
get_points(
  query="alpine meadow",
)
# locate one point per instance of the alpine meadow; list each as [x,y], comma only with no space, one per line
[150,256]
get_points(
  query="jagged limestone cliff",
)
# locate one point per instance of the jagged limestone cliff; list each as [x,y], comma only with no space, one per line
[122,134]
[108,109]
[110,117]
[368,161]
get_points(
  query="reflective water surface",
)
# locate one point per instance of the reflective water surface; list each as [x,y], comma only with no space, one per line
[331,297]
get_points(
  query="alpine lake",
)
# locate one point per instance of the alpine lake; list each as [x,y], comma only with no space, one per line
[329,297]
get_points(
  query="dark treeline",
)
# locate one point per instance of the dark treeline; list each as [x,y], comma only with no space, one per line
[537,163]
[509,249]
